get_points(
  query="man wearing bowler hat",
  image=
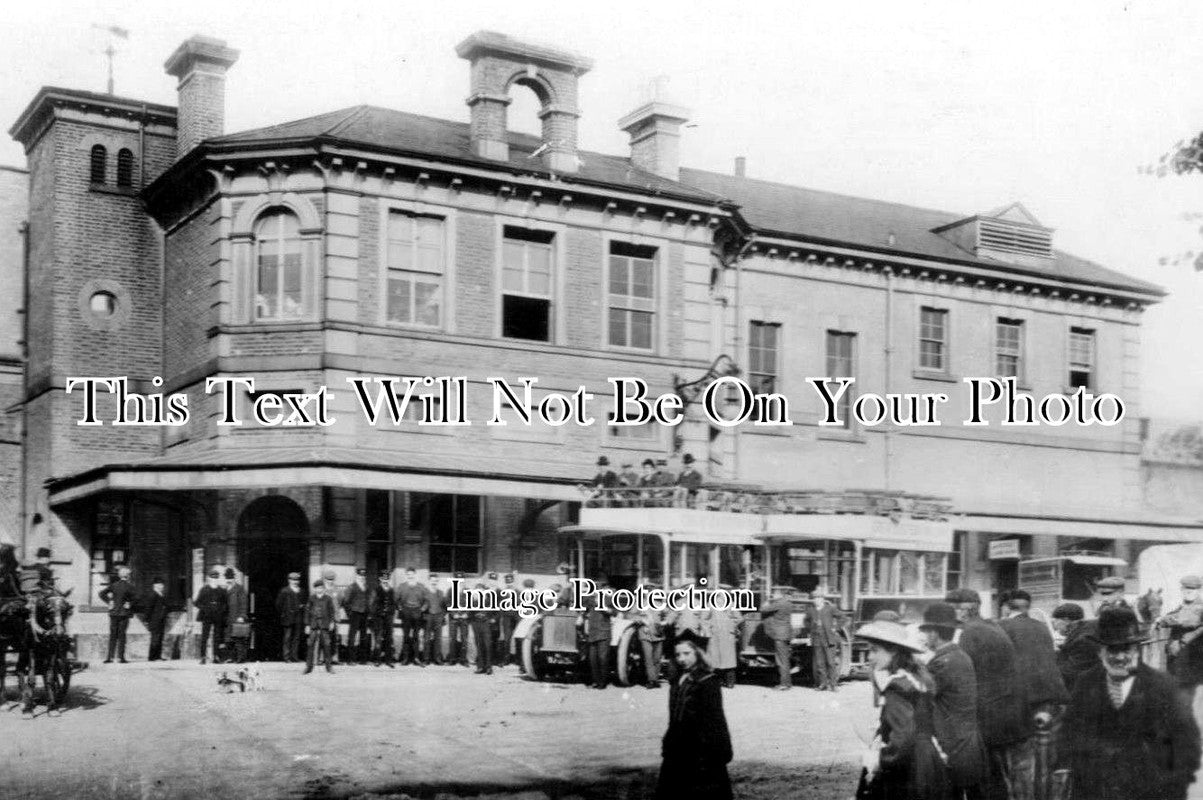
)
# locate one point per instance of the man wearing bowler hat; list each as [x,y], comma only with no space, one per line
[290,605]
[1127,733]
[1185,649]
[320,621]
[1001,705]
[1035,660]
[955,707]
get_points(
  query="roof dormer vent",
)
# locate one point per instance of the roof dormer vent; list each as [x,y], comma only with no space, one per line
[1009,234]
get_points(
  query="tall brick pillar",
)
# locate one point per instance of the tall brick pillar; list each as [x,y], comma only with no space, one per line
[498,62]
[200,63]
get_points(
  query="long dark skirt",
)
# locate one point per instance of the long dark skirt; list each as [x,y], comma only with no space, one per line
[690,778]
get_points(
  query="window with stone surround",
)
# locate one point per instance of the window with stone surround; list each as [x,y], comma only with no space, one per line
[283,287]
[1081,358]
[416,265]
[1008,348]
[632,296]
[527,284]
[841,363]
[453,524]
[933,339]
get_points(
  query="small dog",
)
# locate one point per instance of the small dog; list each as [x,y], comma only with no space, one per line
[251,678]
[227,684]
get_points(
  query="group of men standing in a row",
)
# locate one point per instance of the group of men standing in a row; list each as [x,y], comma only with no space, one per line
[371,614]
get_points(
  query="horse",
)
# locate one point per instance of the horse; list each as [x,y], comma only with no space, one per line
[14,636]
[47,653]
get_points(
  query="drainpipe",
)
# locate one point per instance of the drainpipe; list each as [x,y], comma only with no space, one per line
[23,229]
[142,149]
[889,349]
[739,338]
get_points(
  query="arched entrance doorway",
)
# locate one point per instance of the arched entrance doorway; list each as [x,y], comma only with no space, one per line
[273,536]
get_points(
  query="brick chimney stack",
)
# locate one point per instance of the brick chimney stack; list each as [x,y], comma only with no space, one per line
[200,63]
[497,63]
[655,130]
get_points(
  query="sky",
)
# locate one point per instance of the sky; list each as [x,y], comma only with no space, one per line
[956,106]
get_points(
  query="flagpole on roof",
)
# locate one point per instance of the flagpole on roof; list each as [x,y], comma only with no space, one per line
[111,51]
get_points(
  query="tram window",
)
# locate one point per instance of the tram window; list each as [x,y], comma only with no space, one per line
[618,561]
[934,571]
[908,568]
[653,560]
[731,567]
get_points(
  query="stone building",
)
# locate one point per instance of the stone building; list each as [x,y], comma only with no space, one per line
[373,242]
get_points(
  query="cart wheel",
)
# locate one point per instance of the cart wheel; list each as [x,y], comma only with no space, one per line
[530,653]
[629,658]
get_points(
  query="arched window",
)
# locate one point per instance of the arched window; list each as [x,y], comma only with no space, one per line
[100,163]
[279,267]
[125,167]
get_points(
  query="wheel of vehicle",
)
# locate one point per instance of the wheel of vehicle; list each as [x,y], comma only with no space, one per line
[530,653]
[628,660]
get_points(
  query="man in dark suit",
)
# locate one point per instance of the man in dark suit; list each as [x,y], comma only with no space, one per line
[413,601]
[1036,661]
[776,620]
[1001,704]
[320,619]
[290,606]
[1078,652]
[459,629]
[119,596]
[211,610]
[154,606]
[382,612]
[484,629]
[1185,649]
[1128,735]
[955,707]
[507,620]
[597,637]
[355,603]
[238,616]
[825,642]
[436,615]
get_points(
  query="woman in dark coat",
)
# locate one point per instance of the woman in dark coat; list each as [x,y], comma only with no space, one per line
[697,745]
[904,762]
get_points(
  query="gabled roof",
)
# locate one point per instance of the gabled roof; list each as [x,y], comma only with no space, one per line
[827,217]
[769,208]
[429,136]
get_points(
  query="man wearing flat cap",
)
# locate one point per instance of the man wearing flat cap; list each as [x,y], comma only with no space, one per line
[320,621]
[355,604]
[1001,705]
[1078,652]
[211,611]
[1185,649]
[1127,733]
[955,707]
[328,578]
[1035,659]
[238,605]
[290,605]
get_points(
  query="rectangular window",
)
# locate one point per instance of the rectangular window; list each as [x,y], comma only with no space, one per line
[378,525]
[455,531]
[1081,358]
[527,270]
[933,339]
[632,295]
[110,543]
[841,354]
[956,560]
[646,432]
[763,341]
[1008,348]
[415,267]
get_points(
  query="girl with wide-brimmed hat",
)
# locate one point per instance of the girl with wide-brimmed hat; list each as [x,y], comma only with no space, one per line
[904,762]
